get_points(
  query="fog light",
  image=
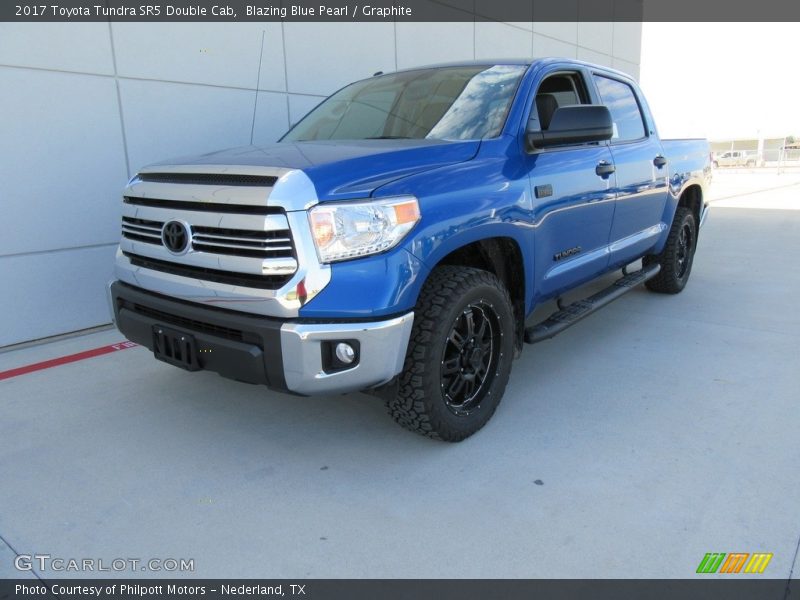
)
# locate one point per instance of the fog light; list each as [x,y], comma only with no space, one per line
[340,355]
[345,353]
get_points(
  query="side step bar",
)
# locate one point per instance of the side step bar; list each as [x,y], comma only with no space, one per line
[569,315]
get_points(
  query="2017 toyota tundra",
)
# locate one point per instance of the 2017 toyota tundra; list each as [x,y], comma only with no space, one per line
[397,239]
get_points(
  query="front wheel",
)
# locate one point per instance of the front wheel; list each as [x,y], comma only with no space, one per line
[459,357]
[677,256]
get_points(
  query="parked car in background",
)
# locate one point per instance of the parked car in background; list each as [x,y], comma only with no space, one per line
[398,238]
[736,158]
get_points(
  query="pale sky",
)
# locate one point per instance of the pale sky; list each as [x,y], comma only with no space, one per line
[722,80]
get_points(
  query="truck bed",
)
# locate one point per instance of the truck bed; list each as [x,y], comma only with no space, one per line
[687,155]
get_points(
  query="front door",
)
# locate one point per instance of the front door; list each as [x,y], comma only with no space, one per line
[573,190]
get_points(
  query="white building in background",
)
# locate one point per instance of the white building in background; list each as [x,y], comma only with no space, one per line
[85,105]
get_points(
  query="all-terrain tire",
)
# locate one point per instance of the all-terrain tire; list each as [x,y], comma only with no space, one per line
[677,256]
[436,396]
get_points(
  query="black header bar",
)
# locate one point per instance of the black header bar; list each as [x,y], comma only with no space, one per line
[400,10]
[703,587]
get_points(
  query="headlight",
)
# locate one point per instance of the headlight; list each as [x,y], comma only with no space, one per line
[353,229]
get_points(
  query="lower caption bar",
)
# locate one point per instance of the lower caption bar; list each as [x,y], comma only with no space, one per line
[397,589]
[63,360]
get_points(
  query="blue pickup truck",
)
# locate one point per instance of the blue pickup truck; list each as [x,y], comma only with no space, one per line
[399,237]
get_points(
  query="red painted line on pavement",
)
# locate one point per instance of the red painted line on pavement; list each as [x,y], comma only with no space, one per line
[63,360]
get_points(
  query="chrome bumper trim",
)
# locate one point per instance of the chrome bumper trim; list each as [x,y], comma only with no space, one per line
[383,350]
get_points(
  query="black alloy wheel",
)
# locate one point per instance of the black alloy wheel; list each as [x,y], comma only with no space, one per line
[685,249]
[470,357]
[459,355]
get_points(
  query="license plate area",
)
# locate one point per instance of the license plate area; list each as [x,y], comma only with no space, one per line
[175,347]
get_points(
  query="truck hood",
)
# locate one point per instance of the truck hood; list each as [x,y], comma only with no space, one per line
[342,169]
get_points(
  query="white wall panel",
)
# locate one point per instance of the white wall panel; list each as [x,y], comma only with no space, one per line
[631,69]
[596,36]
[628,41]
[54,292]
[528,25]
[169,120]
[430,43]
[597,58]
[566,32]
[273,62]
[84,47]
[320,59]
[62,160]
[545,46]
[498,40]
[224,54]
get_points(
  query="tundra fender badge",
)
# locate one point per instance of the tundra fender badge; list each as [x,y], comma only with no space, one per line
[566,253]
[543,191]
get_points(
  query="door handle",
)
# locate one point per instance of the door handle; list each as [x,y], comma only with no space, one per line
[604,168]
[659,161]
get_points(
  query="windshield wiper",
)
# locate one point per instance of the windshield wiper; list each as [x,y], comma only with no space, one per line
[389,137]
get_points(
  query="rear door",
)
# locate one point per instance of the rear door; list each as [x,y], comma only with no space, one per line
[573,190]
[641,170]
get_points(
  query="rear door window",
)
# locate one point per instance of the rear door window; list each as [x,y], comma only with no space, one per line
[625,112]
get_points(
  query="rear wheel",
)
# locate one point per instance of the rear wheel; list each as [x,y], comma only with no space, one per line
[677,256]
[459,356]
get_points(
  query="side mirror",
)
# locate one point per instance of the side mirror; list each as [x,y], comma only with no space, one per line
[577,124]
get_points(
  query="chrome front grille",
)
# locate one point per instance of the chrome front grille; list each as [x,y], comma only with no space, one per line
[215,240]
[266,282]
[142,230]
[234,237]
[264,244]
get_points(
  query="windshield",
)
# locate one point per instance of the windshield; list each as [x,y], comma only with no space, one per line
[449,103]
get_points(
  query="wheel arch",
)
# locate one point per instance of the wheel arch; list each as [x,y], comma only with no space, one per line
[501,255]
[692,198]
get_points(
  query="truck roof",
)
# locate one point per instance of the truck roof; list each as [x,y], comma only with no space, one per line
[513,61]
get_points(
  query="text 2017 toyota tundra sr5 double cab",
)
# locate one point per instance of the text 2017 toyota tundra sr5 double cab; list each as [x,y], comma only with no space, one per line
[396,239]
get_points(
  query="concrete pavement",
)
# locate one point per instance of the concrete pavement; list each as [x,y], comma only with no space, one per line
[662,428]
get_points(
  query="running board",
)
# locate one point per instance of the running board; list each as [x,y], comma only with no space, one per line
[569,315]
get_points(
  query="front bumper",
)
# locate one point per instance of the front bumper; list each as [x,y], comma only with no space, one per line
[285,355]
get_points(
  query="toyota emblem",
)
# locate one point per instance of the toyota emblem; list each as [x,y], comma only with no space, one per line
[176,236]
